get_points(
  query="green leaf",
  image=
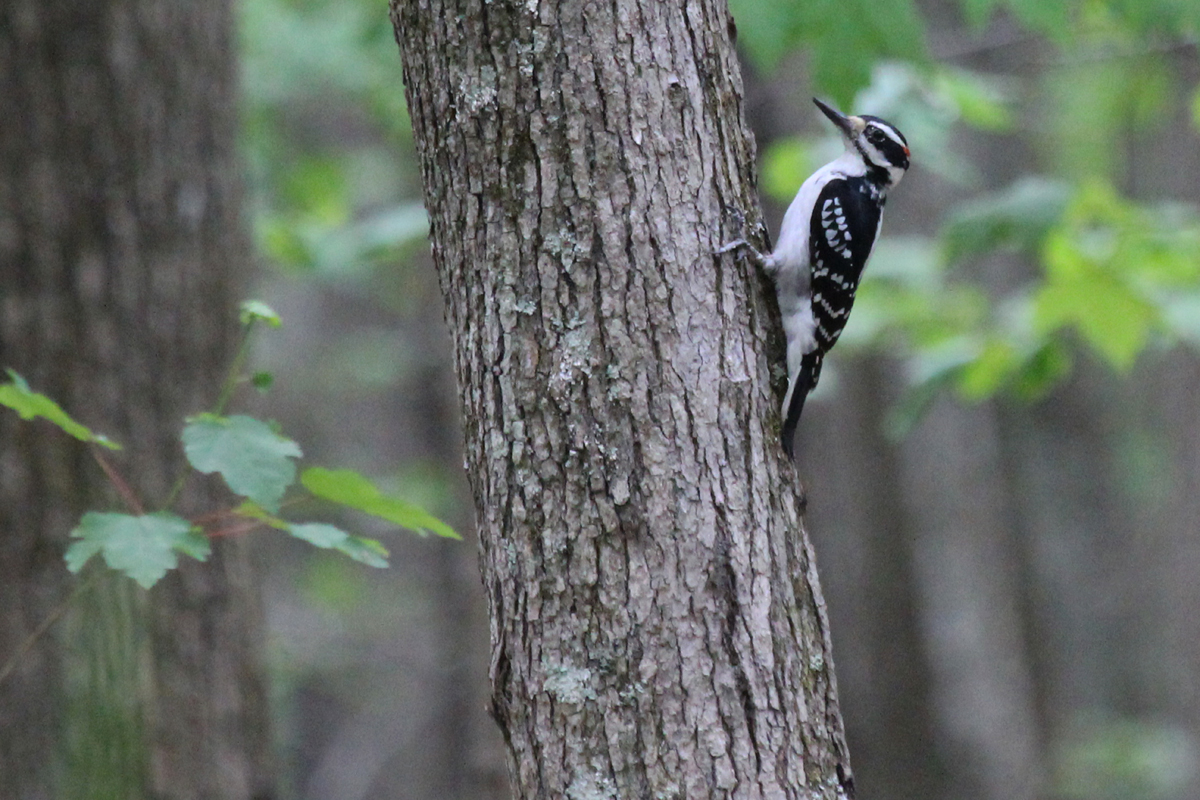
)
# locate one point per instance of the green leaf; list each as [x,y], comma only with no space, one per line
[1096,101]
[988,372]
[348,250]
[254,460]
[1114,320]
[1018,216]
[929,371]
[257,311]
[978,12]
[843,38]
[1051,18]
[368,551]
[252,510]
[349,488]
[319,534]
[1041,371]
[262,381]
[847,37]
[30,405]
[142,547]
[283,241]
[319,188]
[979,101]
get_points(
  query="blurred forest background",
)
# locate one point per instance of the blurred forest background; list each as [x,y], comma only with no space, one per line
[1002,461]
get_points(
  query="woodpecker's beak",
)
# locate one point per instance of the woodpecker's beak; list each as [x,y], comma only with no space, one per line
[849,126]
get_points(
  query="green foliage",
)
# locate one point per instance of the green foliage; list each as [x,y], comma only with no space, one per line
[322,535]
[1118,276]
[326,202]
[1111,268]
[1086,269]
[977,100]
[262,381]
[1097,102]
[301,52]
[251,510]
[1049,18]
[30,405]
[1017,217]
[318,534]
[255,461]
[254,311]
[843,38]
[786,162]
[143,547]
[352,490]
[1120,759]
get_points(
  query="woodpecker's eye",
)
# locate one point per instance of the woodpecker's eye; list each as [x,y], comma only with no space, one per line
[874,135]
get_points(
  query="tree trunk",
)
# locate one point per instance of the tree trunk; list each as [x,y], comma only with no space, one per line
[657,627]
[120,233]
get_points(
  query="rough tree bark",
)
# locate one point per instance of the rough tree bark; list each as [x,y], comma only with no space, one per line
[657,626]
[120,236]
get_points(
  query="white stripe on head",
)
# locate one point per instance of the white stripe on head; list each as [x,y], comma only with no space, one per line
[889,151]
[891,132]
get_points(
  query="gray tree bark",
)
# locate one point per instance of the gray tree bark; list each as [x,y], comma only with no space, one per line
[120,237]
[657,625]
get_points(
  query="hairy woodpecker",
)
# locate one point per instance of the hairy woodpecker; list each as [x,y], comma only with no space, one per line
[824,243]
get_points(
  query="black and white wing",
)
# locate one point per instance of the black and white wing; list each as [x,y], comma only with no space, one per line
[845,221]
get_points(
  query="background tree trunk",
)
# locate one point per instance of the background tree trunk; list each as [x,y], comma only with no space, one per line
[120,233]
[657,628]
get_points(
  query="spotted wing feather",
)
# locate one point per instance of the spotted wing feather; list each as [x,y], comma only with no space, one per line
[844,225]
[845,221]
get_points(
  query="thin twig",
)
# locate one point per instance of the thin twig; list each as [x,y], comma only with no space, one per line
[228,387]
[234,376]
[11,664]
[215,516]
[236,529]
[992,42]
[1016,37]
[122,486]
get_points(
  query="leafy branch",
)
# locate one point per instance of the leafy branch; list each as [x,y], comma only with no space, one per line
[256,462]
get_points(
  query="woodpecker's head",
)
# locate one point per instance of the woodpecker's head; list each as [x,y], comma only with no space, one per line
[882,148]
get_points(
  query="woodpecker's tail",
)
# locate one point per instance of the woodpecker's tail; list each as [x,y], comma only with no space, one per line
[804,381]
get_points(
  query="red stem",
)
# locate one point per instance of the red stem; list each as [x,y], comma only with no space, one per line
[235,530]
[122,487]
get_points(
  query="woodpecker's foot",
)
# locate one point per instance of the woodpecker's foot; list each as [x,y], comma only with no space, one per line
[729,247]
[742,247]
[746,249]
[739,225]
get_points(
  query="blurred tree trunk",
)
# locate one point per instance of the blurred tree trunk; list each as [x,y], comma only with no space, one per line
[657,627]
[967,579]
[1173,690]
[864,532]
[120,234]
